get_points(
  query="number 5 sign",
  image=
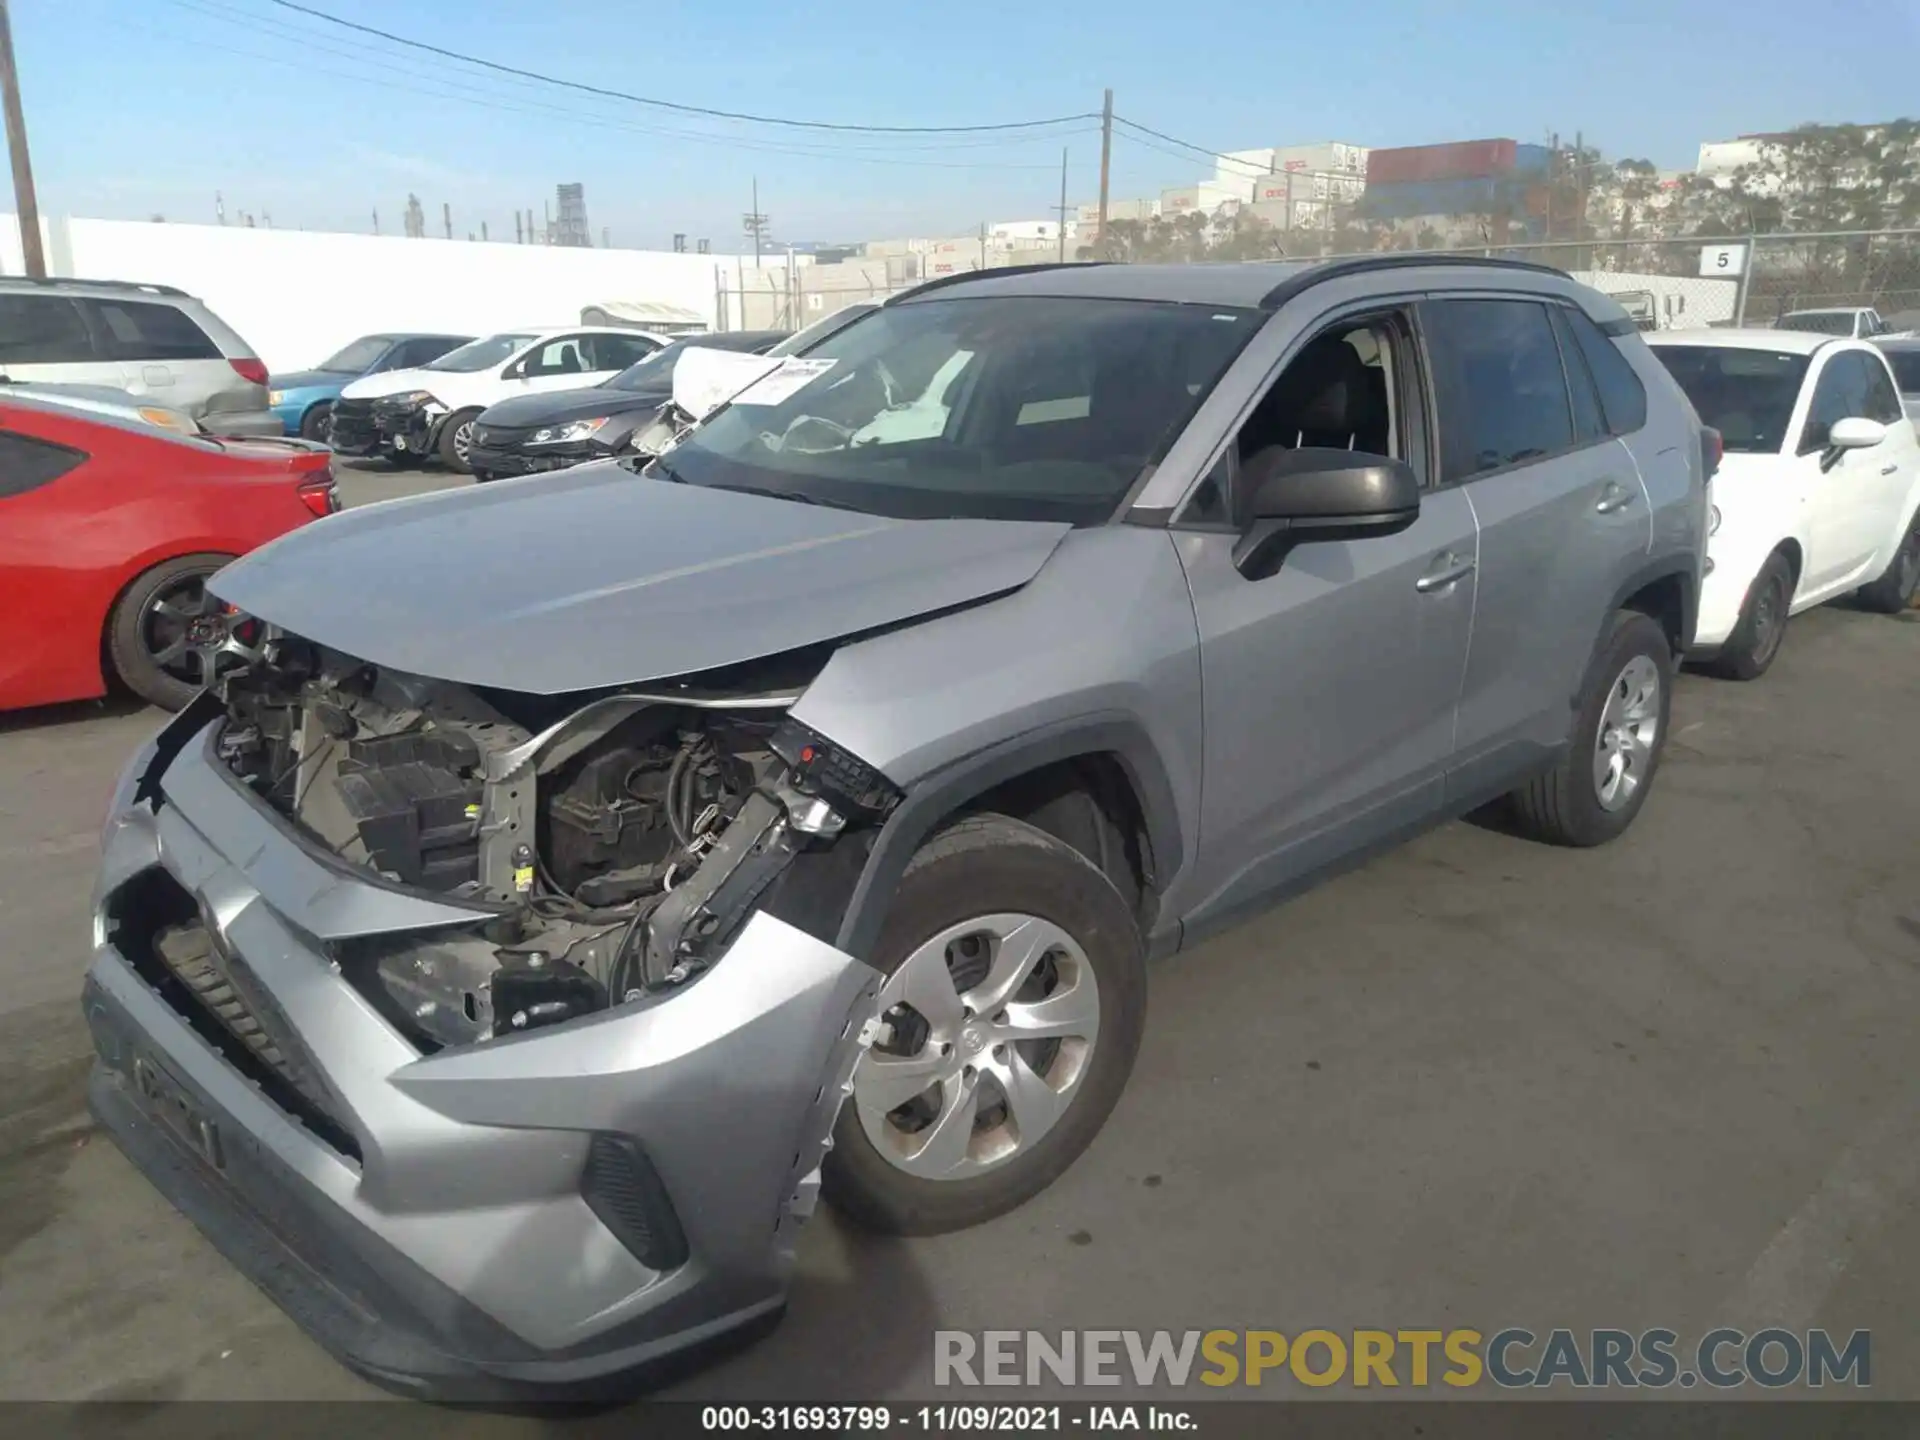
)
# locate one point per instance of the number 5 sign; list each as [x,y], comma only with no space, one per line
[1723,261]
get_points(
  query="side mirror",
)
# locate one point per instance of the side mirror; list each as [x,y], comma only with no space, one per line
[1856,432]
[1294,497]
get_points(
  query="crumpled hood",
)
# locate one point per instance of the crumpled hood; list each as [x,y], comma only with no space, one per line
[593,576]
[393,382]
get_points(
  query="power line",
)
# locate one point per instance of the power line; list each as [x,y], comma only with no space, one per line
[526,105]
[1252,169]
[675,105]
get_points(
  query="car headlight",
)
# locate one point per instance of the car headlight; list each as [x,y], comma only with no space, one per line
[276,397]
[1713,520]
[412,397]
[571,431]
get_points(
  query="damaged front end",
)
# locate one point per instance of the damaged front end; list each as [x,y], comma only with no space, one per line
[513,1021]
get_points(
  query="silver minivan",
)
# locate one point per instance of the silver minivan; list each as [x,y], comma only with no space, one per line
[151,340]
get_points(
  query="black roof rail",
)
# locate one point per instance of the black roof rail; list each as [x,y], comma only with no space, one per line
[55,281]
[941,281]
[1318,271]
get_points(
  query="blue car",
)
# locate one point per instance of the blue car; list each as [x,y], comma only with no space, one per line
[304,398]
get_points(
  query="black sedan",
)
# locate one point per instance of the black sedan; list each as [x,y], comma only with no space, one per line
[568,427]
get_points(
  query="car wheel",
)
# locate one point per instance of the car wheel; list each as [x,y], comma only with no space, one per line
[1014,1001]
[456,441]
[1619,732]
[317,422]
[1756,640]
[1894,590]
[165,630]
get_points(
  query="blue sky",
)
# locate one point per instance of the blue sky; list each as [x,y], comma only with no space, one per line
[140,107]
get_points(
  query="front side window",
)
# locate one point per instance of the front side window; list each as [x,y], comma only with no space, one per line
[1023,407]
[43,330]
[1839,394]
[566,356]
[1747,395]
[1883,401]
[1503,394]
[479,354]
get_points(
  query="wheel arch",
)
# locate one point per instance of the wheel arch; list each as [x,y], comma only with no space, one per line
[1110,751]
[1667,592]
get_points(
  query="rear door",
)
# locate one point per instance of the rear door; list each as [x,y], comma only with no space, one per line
[160,351]
[44,338]
[1562,516]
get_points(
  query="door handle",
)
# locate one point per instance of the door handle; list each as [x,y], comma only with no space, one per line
[1452,568]
[1613,496]
[1889,469]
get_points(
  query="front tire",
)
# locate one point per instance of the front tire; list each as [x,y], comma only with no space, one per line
[317,422]
[456,438]
[1894,590]
[1755,642]
[1015,999]
[153,644]
[1619,732]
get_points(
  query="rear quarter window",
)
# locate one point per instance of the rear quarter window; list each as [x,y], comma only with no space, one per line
[27,464]
[1622,397]
[138,330]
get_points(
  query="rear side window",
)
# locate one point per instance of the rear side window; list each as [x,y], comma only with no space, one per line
[27,464]
[136,330]
[1503,393]
[1589,423]
[43,330]
[1623,399]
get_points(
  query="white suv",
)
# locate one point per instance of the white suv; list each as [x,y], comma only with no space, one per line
[408,416]
[152,341]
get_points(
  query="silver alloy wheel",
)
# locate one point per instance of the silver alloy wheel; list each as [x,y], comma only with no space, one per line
[462,440]
[992,1066]
[1629,726]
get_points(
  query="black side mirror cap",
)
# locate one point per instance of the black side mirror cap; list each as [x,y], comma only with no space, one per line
[1294,497]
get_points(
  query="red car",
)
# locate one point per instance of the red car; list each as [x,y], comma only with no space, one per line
[108,532]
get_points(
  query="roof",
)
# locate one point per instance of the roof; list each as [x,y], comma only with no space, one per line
[1790,342]
[1248,284]
[1829,310]
[646,312]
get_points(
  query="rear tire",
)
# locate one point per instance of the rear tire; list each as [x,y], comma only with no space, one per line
[317,422]
[1613,751]
[1755,642]
[455,436]
[1894,590]
[997,890]
[137,639]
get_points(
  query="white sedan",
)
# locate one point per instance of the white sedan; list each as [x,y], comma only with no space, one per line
[1818,487]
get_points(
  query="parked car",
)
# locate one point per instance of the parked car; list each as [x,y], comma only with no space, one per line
[791,771]
[1817,492]
[303,399]
[154,341]
[109,529]
[407,416]
[1853,322]
[106,400]
[552,431]
[1904,356]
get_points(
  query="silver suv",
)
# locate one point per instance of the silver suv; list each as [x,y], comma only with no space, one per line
[499,964]
[152,341]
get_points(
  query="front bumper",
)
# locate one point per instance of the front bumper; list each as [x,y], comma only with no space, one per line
[412,429]
[502,462]
[437,1223]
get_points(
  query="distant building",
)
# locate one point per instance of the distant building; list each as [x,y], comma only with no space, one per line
[570,225]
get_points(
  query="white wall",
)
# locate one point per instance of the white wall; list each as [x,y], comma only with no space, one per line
[296,296]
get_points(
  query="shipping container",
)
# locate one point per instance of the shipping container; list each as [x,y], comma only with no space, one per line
[1239,165]
[1485,196]
[1532,159]
[1461,160]
[1206,197]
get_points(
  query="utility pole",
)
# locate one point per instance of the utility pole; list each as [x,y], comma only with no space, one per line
[376,219]
[446,216]
[25,203]
[516,227]
[1063,204]
[483,232]
[755,223]
[1106,161]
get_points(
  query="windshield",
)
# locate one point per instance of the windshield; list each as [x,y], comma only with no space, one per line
[1818,322]
[1906,370]
[999,408]
[1747,395]
[356,358]
[479,354]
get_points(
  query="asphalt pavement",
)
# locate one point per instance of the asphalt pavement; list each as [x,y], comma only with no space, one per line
[1477,1083]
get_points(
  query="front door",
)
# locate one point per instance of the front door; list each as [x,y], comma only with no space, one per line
[1329,686]
[1852,495]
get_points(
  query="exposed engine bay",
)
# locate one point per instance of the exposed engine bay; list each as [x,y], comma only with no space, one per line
[615,842]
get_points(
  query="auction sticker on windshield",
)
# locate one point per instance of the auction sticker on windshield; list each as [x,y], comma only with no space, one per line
[793,376]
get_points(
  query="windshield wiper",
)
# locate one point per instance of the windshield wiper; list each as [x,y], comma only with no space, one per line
[796,495]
